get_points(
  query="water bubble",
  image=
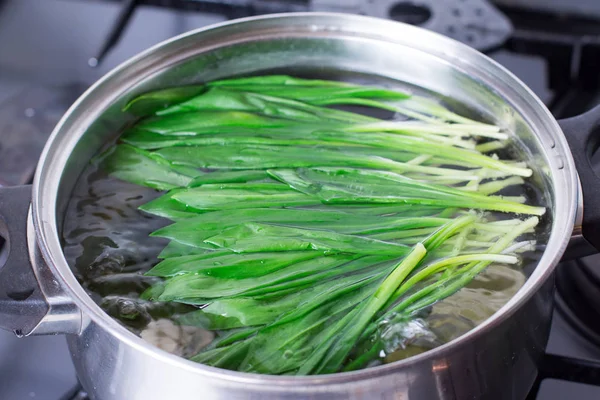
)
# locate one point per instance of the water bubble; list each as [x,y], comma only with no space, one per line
[384,322]
[402,334]
[288,354]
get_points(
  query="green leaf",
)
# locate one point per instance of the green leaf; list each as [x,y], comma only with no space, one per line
[231,336]
[255,237]
[248,156]
[202,122]
[284,347]
[143,168]
[297,276]
[422,146]
[177,249]
[339,346]
[237,313]
[318,95]
[276,80]
[333,290]
[228,357]
[230,177]
[152,140]
[217,99]
[151,102]
[166,206]
[224,264]
[237,196]
[245,312]
[346,185]
[199,288]
[197,229]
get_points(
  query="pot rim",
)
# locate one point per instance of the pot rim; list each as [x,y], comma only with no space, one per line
[46,227]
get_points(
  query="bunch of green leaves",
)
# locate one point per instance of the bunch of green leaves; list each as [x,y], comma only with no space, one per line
[300,230]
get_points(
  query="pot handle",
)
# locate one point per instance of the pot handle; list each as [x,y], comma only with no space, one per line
[583,135]
[31,300]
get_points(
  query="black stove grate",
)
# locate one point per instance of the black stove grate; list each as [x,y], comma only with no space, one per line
[570,46]
[565,369]
[475,22]
[578,287]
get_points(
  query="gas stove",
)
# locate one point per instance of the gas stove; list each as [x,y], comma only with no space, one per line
[53,50]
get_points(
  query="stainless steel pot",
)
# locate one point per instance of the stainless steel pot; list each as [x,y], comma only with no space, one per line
[39,294]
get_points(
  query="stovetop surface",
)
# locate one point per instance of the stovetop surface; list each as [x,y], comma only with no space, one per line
[45,48]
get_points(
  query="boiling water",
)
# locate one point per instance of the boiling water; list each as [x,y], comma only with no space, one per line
[107,243]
